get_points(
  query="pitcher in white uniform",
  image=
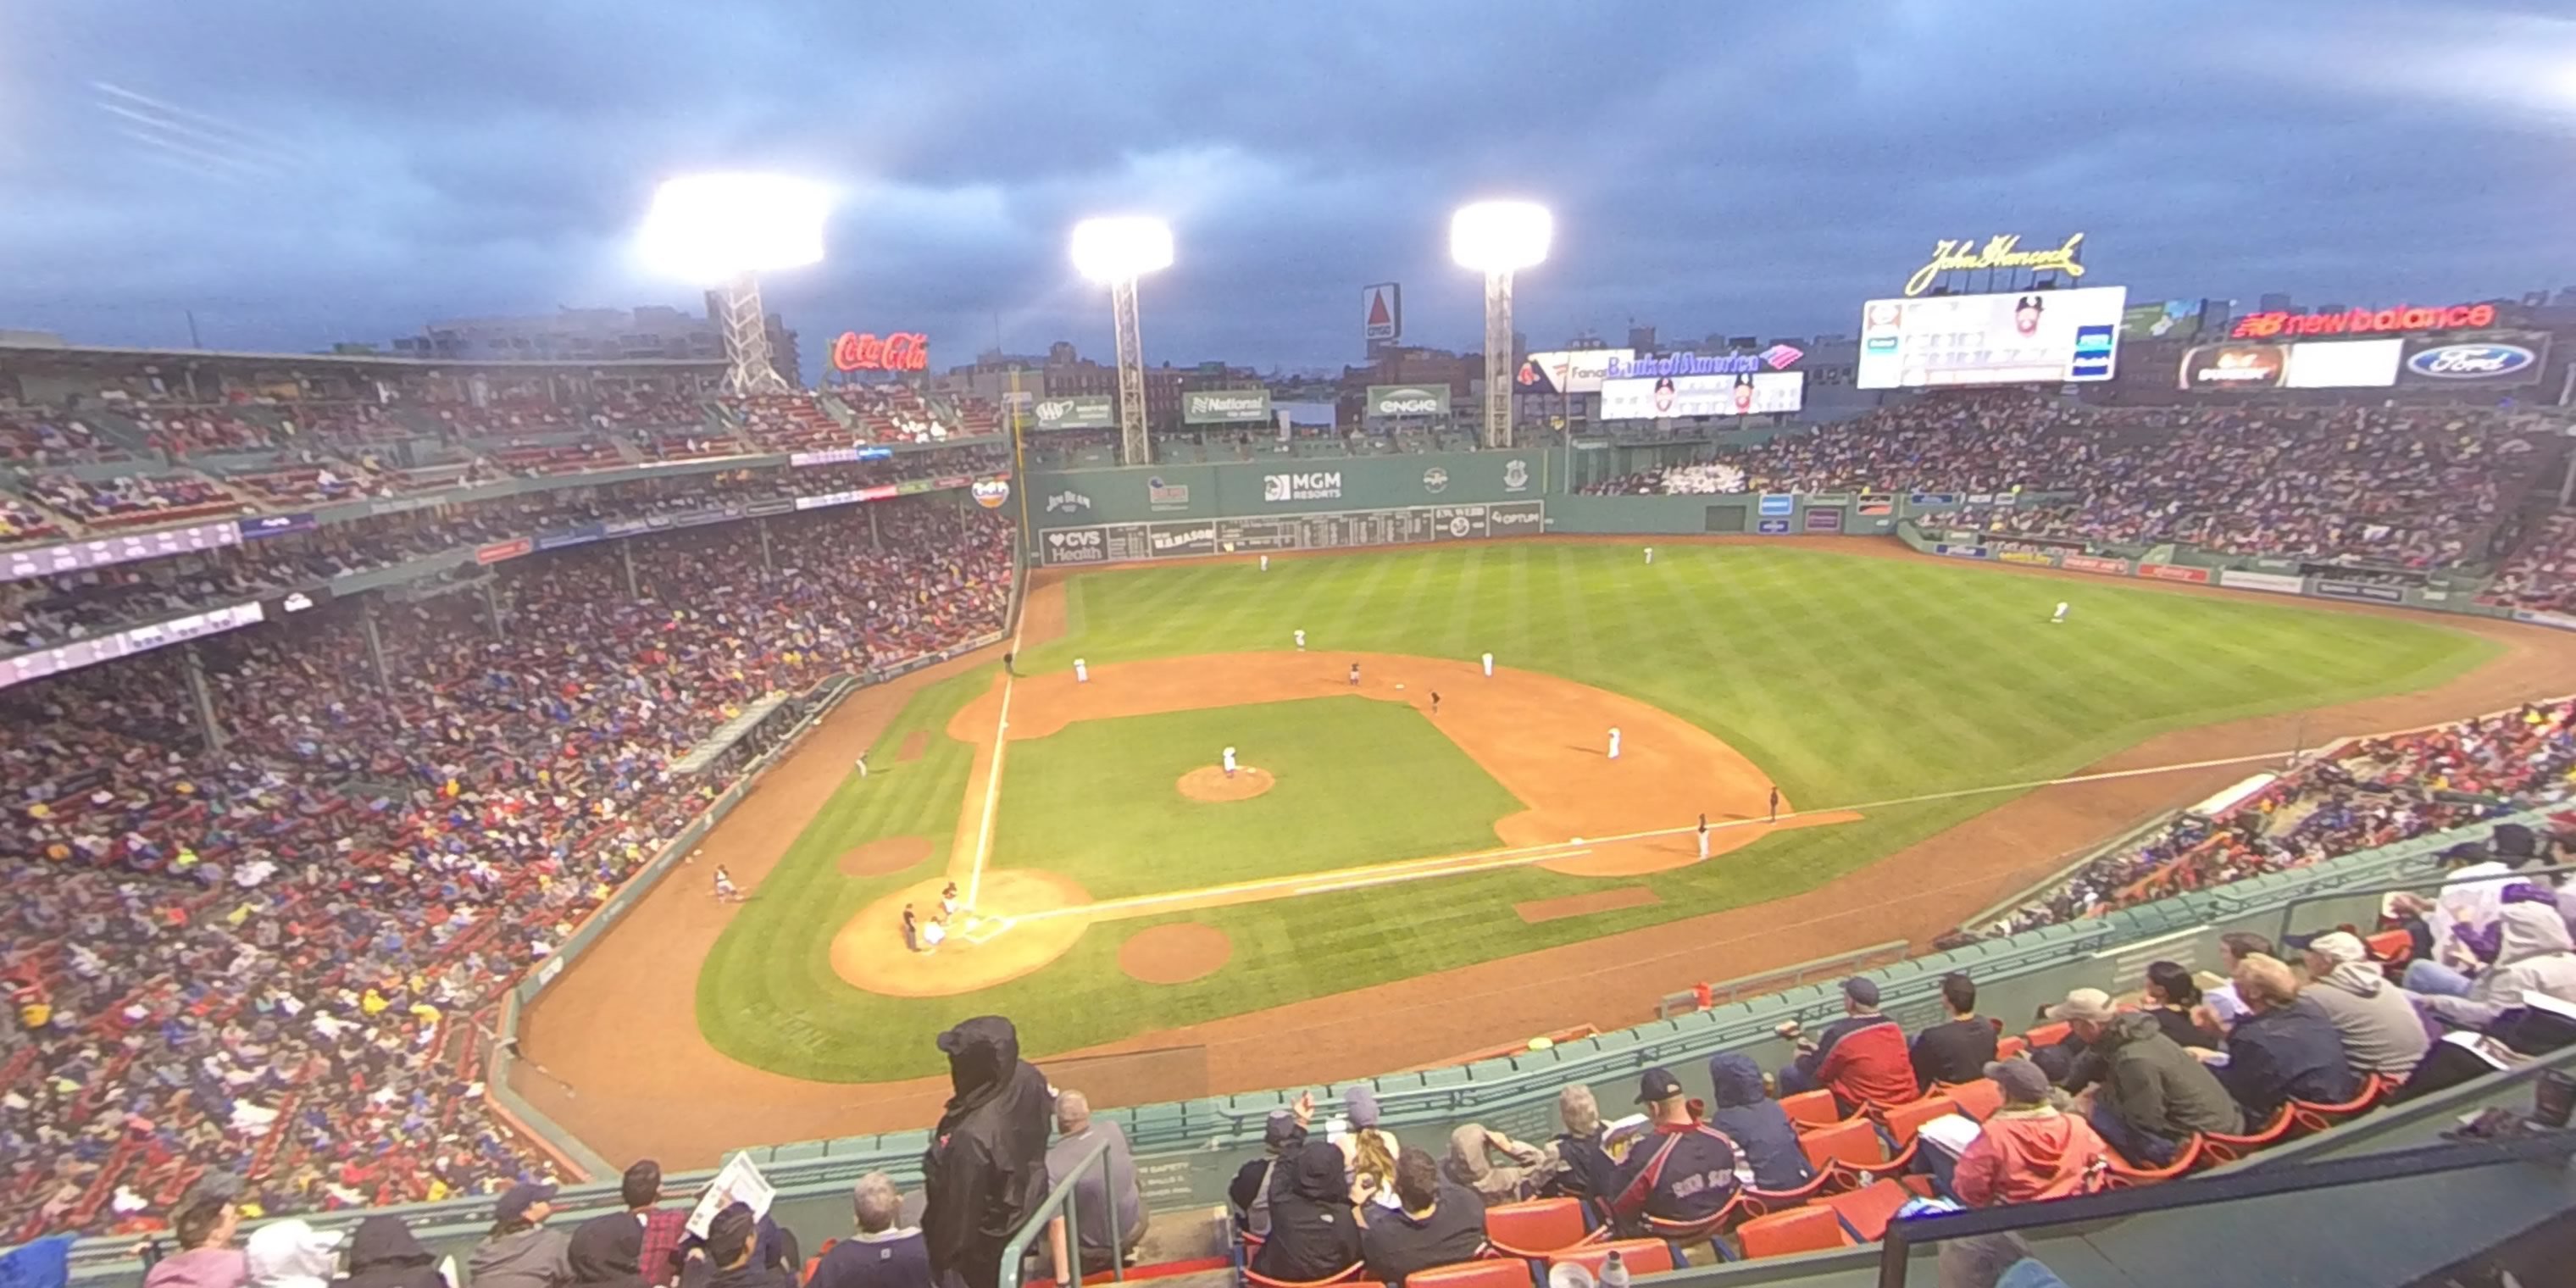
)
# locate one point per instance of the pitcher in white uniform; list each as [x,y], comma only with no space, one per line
[1081,671]
[1229,762]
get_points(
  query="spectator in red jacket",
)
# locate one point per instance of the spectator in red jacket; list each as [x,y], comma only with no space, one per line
[1861,1057]
[2029,1149]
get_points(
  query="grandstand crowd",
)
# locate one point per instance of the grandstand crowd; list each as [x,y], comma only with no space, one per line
[268,960]
[2406,487]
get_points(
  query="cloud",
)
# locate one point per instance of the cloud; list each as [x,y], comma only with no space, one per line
[298,175]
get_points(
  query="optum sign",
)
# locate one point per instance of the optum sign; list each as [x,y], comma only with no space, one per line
[1408,400]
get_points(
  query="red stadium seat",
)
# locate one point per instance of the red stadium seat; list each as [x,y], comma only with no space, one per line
[2048,1034]
[1539,1227]
[1643,1256]
[2306,1118]
[1855,1150]
[1811,1109]
[2011,1045]
[1978,1100]
[1781,1234]
[2218,1149]
[1868,1210]
[2390,946]
[1350,1276]
[1904,1120]
[2122,1175]
[1498,1272]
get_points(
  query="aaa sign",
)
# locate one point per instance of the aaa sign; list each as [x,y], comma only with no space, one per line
[901,351]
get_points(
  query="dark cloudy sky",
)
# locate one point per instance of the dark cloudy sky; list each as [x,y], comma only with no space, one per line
[300,172]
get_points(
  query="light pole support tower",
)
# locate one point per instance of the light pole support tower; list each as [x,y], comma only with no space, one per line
[1133,448]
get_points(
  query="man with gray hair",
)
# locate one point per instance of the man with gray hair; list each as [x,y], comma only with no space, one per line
[1586,1170]
[1108,1236]
[884,1253]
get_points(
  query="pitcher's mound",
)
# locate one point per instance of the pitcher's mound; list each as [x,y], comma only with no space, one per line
[1175,954]
[885,858]
[1209,783]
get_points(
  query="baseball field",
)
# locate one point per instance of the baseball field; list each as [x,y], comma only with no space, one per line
[1118,883]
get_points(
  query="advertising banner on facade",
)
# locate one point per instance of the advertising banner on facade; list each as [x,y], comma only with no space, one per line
[2050,337]
[2095,563]
[2363,591]
[2269,582]
[2502,360]
[1402,401]
[1570,371]
[2174,572]
[1083,411]
[1658,397]
[1226,407]
[1381,312]
[2162,320]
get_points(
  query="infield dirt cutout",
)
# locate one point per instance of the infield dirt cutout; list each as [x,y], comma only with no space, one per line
[1211,784]
[1544,738]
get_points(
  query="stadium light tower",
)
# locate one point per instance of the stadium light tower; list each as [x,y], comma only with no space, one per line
[1499,238]
[1115,252]
[722,231]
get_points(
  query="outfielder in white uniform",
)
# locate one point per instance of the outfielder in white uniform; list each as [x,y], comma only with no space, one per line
[1614,742]
[1489,666]
[1081,671]
[1301,641]
[2061,614]
[1229,762]
[1265,563]
[1650,554]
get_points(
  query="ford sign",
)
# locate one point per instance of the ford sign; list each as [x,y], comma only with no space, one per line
[2471,361]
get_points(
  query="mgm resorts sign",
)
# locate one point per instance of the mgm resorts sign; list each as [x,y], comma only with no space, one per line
[2003,251]
[1317,485]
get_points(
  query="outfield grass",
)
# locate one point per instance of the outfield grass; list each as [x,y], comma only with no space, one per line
[1849,679]
[1095,801]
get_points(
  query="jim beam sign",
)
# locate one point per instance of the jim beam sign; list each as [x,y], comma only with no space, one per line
[2002,251]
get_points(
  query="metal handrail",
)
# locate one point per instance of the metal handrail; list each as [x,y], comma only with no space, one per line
[2288,910]
[1060,1196]
[2228,1187]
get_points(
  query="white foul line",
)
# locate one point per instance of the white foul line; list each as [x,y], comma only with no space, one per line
[1001,743]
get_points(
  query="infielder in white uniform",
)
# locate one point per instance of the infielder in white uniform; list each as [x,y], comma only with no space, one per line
[1614,742]
[2061,614]
[1265,563]
[1489,666]
[1081,671]
[1703,837]
[863,764]
[1301,641]
[1650,554]
[1229,762]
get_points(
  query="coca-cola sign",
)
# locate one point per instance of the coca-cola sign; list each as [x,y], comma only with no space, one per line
[864,351]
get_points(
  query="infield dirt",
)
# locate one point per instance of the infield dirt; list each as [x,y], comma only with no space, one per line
[620,1025]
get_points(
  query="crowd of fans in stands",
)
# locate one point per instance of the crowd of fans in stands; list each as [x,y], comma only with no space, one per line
[2418,487]
[266,960]
[2367,794]
[2542,575]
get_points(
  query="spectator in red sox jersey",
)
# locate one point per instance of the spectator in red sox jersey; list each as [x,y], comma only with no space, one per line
[1682,1170]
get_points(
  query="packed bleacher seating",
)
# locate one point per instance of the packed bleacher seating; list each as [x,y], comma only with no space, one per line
[625,411]
[2418,487]
[134,499]
[190,431]
[2359,795]
[268,960]
[2542,575]
[22,522]
[39,437]
[788,423]
[892,414]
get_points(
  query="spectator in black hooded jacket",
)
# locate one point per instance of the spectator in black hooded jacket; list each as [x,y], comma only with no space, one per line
[1314,1234]
[985,1172]
[605,1251]
[384,1254]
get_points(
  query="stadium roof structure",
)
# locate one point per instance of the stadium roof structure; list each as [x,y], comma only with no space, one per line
[27,346]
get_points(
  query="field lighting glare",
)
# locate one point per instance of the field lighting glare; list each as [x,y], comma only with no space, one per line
[1122,249]
[1500,236]
[712,228]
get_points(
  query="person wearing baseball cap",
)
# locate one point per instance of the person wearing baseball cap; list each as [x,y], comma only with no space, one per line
[520,1252]
[1862,1057]
[2153,1095]
[1682,1170]
[2381,1032]
[2028,1149]
[1248,1197]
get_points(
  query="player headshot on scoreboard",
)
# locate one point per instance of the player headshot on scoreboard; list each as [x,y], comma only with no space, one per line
[1664,395]
[1744,395]
[2026,315]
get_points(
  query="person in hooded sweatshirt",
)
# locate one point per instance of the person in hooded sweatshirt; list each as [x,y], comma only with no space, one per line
[2532,955]
[1756,1123]
[2028,1149]
[290,1254]
[1314,1234]
[606,1252]
[985,1171]
[384,1254]
[2381,1033]
[205,1222]
[521,1252]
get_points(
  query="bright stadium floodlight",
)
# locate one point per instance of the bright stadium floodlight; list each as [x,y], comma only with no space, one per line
[1115,252]
[1499,238]
[722,231]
